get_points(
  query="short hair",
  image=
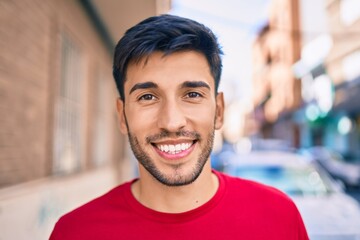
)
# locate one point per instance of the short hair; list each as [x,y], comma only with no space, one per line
[168,34]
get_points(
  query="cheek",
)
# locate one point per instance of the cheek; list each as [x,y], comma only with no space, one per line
[202,115]
[140,119]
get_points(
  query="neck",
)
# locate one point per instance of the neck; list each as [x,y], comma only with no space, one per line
[159,197]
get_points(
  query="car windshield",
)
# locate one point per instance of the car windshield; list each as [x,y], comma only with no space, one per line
[292,181]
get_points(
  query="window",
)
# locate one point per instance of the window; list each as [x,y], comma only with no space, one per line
[103,125]
[349,11]
[68,110]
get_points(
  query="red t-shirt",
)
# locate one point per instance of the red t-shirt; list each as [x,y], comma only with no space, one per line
[240,209]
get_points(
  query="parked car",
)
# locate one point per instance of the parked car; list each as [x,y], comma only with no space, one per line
[271,144]
[328,212]
[220,159]
[345,169]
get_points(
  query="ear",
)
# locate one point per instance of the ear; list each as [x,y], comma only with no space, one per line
[121,115]
[219,114]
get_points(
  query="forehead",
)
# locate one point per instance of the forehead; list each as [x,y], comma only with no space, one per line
[173,68]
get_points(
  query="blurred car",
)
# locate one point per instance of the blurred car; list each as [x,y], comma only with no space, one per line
[328,212]
[271,144]
[220,159]
[345,169]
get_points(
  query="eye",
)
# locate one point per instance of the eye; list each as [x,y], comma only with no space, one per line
[193,95]
[147,97]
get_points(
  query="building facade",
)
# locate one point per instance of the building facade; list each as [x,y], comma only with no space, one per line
[323,60]
[276,91]
[342,132]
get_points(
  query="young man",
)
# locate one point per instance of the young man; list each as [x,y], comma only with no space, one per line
[167,70]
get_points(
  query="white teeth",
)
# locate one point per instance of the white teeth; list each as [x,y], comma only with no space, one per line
[183,146]
[174,149]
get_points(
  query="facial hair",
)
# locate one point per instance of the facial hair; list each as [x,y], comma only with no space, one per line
[175,179]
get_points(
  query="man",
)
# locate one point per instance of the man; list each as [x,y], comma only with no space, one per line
[167,70]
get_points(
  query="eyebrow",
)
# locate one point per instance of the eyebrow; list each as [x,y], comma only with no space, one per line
[187,84]
[195,84]
[144,85]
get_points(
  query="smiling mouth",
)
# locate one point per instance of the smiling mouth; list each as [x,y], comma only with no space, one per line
[173,148]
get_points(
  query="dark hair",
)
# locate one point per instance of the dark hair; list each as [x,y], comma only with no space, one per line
[168,34]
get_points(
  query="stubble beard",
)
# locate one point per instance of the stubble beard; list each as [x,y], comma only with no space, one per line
[176,178]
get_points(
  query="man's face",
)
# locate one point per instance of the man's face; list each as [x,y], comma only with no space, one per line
[170,114]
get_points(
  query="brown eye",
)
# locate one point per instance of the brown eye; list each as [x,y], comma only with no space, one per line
[194,95]
[147,97]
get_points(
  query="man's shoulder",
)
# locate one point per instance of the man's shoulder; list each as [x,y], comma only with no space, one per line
[93,211]
[254,202]
[114,195]
[259,199]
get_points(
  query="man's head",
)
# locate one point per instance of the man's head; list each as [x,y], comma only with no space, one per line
[167,34]
[167,70]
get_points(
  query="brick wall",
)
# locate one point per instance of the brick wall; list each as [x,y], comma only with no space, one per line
[29,78]
[24,78]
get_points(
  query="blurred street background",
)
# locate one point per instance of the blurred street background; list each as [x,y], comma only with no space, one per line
[291,79]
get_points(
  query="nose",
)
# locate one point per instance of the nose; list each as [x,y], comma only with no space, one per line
[171,117]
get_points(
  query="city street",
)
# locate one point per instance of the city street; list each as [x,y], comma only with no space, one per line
[277,101]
